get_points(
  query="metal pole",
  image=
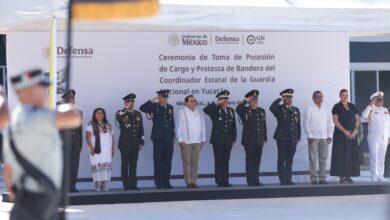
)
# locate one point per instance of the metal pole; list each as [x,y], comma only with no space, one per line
[67,135]
[53,63]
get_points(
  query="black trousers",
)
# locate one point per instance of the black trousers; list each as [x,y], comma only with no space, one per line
[252,163]
[221,163]
[286,152]
[387,162]
[129,156]
[162,156]
[74,166]
[26,207]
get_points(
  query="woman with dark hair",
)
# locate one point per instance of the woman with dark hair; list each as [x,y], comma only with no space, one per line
[345,152]
[100,140]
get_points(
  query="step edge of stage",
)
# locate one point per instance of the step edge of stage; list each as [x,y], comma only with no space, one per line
[225,193]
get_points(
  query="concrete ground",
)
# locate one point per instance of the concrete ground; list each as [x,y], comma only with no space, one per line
[370,207]
[367,207]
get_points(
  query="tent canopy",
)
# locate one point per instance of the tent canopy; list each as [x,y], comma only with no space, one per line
[354,16]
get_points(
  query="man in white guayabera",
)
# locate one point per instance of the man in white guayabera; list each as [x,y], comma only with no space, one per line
[318,126]
[378,135]
[191,135]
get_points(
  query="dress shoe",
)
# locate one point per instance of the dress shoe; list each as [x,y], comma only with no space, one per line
[195,186]
[74,190]
[189,186]
[168,186]
[323,182]
[290,182]
[134,188]
[259,184]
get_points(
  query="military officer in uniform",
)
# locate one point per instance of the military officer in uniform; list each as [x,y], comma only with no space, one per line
[254,135]
[33,150]
[287,134]
[131,141]
[77,143]
[223,136]
[378,135]
[163,137]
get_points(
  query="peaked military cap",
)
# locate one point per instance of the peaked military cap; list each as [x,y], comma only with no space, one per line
[223,94]
[130,97]
[163,92]
[69,94]
[30,78]
[254,93]
[287,93]
[377,95]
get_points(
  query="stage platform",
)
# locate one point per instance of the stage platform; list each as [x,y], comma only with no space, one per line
[89,197]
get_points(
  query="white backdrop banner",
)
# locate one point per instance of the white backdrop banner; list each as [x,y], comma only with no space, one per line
[108,65]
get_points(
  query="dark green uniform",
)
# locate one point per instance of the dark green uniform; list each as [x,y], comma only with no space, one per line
[76,146]
[130,138]
[163,134]
[254,134]
[223,136]
[287,135]
[75,150]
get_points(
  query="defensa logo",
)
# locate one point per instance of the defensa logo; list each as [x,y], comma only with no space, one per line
[173,40]
[46,52]
[255,39]
[72,51]
[224,39]
[188,40]
[75,52]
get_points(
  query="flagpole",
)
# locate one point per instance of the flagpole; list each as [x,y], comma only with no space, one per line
[53,63]
[67,134]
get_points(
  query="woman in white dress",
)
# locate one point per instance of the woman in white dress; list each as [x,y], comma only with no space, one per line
[100,140]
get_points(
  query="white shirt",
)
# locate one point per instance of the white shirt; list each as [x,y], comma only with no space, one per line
[190,127]
[37,139]
[317,122]
[378,122]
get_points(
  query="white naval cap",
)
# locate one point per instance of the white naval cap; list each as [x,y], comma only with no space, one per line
[377,95]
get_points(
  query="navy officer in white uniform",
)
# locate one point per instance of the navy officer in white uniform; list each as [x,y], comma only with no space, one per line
[378,134]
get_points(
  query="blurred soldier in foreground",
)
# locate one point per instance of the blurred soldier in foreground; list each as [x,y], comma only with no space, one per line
[32,148]
[223,136]
[131,141]
[254,135]
[287,134]
[77,143]
[4,118]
